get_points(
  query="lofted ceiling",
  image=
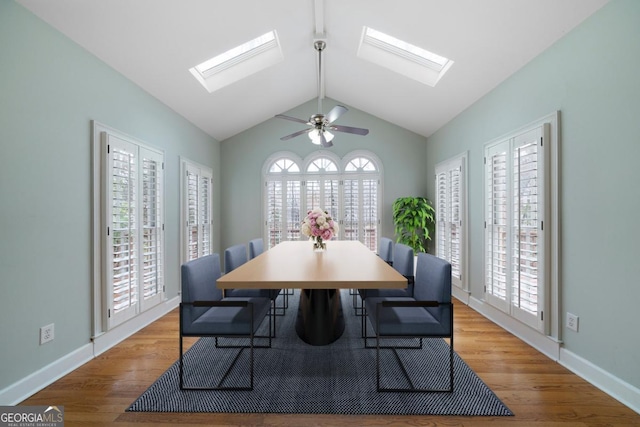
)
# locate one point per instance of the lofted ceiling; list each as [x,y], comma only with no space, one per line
[155,42]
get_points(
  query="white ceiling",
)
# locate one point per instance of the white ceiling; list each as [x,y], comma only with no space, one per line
[155,42]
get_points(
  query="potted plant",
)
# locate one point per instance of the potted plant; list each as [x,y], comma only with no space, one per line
[414,221]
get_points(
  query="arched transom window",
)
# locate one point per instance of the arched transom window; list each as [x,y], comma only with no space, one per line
[349,189]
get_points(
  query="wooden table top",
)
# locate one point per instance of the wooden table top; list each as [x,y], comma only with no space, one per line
[294,264]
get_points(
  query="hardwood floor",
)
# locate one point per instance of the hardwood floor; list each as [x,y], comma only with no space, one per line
[539,391]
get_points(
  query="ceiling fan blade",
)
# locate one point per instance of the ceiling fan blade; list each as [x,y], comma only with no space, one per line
[349,129]
[324,142]
[335,113]
[293,135]
[293,119]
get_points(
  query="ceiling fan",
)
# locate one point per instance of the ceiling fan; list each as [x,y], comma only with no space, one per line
[321,124]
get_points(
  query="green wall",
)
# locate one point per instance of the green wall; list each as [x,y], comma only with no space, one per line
[591,76]
[401,152]
[50,90]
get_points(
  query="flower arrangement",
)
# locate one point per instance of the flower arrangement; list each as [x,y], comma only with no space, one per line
[319,226]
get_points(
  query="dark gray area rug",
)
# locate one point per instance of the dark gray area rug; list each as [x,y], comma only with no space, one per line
[340,378]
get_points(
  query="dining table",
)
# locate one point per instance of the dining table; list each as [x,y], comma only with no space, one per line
[344,264]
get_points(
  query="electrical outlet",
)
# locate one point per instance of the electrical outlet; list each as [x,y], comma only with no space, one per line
[572,322]
[46,334]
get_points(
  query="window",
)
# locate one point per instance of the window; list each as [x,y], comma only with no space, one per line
[517,205]
[352,195]
[322,186]
[451,214]
[282,200]
[196,210]
[133,251]
[361,198]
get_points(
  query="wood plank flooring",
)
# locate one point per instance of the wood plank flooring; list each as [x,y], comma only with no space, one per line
[539,391]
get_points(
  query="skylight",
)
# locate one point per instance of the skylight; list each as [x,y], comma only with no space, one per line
[402,57]
[239,62]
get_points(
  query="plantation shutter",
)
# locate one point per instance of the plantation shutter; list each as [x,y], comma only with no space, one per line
[122,244]
[527,262]
[133,262]
[515,243]
[313,194]
[360,211]
[369,213]
[197,205]
[274,215]
[322,193]
[497,222]
[204,213]
[450,211]
[442,216]
[152,228]
[455,222]
[351,209]
[293,207]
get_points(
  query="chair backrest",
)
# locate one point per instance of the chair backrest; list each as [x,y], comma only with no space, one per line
[385,249]
[256,247]
[198,279]
[433,283]
[403,263]
[234,257]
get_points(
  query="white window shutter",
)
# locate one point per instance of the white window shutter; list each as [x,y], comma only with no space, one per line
[152,228]
[514,238]
[351,209]
[450,216]
[293,207]
[197,206]
[497,223]
[527,261]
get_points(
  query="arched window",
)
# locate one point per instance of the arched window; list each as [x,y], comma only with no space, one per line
[361,198]
[322,184]
[282,198]
[349,189]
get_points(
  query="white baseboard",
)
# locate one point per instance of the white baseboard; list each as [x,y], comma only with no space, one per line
[543,343]
[620,390]
[20,390]
[121,332]
[26,387]
[461,294]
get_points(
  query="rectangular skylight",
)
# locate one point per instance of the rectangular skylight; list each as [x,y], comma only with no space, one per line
[239,62]
[402,57]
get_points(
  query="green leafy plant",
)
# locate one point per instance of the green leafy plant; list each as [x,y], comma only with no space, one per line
[414,220]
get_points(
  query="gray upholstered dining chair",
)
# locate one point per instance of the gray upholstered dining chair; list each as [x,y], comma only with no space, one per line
[205,313]
[403,263]
[234,257]
[256,247]
[385,252]
[428,314]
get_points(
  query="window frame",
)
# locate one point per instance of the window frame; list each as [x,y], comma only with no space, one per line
[304,176]
[361,176]
[283,179]
[201,172]
[104,320]
[457,162]
[548,321]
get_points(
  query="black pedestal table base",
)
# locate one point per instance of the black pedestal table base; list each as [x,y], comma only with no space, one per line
[320,320]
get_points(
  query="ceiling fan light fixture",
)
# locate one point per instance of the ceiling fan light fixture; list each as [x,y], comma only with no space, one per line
[314,136]
[318,134]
